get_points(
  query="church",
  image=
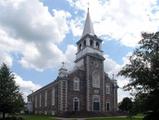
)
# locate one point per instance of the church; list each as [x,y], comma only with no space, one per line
[87,88]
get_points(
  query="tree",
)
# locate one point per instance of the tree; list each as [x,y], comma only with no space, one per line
[143,71]
[10,97]
[139,100]
[126,104]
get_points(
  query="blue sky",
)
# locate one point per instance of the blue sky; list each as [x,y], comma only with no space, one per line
[37,35]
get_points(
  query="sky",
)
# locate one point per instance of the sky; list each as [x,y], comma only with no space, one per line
[36,36]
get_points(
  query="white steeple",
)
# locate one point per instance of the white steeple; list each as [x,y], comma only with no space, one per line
[89,42]
[88,27]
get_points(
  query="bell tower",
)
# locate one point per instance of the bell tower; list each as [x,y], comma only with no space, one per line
[89,42]
[89,58]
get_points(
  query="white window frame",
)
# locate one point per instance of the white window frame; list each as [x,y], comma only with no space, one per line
[107,102]
[76,84]
[107,88]
[78,100]
[95,98]
[53,96]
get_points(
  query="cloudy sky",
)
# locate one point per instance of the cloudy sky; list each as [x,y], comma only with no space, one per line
[37,35]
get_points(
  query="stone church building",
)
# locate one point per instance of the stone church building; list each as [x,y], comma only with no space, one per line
[87,88]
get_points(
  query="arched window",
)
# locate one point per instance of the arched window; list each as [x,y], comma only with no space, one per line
[96,102]
[97,45]
[107,88]
[108,106]
[76,84]
[96,79]
[79,48]
[76,104]
[91,43]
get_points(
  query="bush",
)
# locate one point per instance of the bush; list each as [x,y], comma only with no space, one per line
[151,116]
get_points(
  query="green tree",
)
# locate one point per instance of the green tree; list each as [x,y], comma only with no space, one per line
[126,104]
[139,102]
[143,71]
[10,97]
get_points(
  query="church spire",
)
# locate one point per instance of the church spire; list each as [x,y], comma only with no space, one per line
[88,27]
[89,42]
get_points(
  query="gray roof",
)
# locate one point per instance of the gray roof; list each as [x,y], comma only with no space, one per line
[88,27]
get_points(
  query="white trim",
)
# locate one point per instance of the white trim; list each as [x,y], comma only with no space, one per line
[40,100]
[36,103]
[53,96]
[86,50]
[107,102]
[45,98]
[77,100]
[103,78]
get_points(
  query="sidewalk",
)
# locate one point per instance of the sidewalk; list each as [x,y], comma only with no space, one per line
[60,118]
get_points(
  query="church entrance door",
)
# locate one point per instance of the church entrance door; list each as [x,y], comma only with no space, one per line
[76,104]
[96,106]
[96,103]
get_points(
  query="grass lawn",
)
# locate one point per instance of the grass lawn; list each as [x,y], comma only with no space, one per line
[116,118]
[41,117]
[37,117]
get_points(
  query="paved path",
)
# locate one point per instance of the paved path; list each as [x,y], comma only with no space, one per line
[58,118]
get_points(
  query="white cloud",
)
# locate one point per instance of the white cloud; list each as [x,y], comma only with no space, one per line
[76,26]
[122,20]
[48,57]
[26,84]
[30,20]
[122,94]
[5,58]
[70,56]
[28,29]
[110,66]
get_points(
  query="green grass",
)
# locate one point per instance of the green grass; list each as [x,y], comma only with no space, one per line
[37,117]
[42,117]
[116,118]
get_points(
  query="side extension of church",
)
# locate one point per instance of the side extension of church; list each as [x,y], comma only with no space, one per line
[85,89]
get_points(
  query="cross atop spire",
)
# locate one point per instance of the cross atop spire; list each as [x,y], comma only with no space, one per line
[88,27]
[88,6]
[63,64]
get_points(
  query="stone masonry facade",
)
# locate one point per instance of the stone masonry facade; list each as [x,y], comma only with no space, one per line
[87,88]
